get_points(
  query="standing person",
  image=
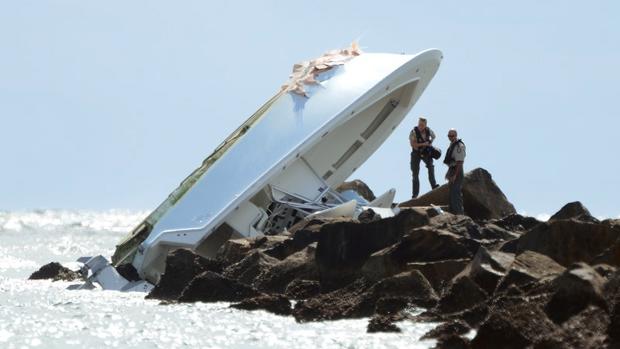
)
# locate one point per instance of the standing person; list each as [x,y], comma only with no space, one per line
[420,138]
[455,156]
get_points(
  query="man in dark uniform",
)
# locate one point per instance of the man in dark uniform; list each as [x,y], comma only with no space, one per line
[421,138]
[455,156]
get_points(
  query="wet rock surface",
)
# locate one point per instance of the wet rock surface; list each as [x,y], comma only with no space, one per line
[182,266]
[213,287]
[344,247]
[276,304]
[128,271]
[382,323]
[569,240]
[457,327]
[516,281]
[56,272]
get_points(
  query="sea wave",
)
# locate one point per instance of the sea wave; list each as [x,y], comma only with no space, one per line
[115,220]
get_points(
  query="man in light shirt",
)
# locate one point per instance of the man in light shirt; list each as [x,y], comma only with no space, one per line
[455,156]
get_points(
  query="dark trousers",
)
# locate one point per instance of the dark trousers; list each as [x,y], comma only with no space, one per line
[456,188]
[415,171]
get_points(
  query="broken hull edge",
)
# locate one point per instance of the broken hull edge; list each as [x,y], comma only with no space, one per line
[406,84]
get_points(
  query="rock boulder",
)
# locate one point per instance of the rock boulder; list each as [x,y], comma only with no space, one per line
[569,241]
[344,247]
[213,287]
[182,265]
[482,198]
[56,272]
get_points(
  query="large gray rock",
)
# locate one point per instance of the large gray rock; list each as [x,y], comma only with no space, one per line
[574,210]
[487,268]
[213,287]
[362,298]
[426,244]
[585,330]
[302,234]
[250,267]
[463,293]
[439,273]
[344,247]
[482,198]
[234,250]
[277,304]
[300,265]
[574,290]
[56,272]
[530,267]
[569,241]
[514,327]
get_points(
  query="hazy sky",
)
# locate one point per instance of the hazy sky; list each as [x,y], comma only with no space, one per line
[111,104]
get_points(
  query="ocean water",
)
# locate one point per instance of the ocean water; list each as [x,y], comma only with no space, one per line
[43,314]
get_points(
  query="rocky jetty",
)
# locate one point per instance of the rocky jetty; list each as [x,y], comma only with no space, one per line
[517,282]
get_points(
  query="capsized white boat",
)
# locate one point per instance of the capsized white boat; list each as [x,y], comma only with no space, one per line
[283,163]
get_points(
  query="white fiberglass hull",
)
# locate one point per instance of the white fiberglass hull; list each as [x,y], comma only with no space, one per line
[299,149]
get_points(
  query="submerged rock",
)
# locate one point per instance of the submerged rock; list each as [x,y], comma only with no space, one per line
[452,341]
[456,327]
[56,272]
[302,289]
[382,323]
[276,304]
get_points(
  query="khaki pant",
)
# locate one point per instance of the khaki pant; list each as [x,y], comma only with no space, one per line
[455,188]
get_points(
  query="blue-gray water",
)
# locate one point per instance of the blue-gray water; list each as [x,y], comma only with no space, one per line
[43,314]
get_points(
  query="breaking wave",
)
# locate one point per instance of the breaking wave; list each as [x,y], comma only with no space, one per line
[114,220]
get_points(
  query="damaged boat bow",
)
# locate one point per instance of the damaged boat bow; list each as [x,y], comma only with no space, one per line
[283,163]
